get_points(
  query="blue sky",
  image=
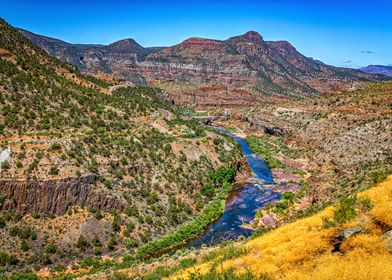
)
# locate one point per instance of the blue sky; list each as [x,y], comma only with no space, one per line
[342,33]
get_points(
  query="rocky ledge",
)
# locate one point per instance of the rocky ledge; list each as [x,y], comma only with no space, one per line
[55,196]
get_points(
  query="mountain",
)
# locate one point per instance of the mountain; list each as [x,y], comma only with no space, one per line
[378,69]
[240,71]
[89,168]
[90,58]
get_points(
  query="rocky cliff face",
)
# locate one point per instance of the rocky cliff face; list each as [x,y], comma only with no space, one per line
[266,71]
[55,196]
[248,62]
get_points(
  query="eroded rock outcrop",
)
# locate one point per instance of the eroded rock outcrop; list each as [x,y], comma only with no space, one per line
[268,127]
[55,196]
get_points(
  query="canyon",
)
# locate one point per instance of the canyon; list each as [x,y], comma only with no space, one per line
[120,162]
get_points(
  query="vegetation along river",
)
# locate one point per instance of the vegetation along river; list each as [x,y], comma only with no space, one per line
[242,203]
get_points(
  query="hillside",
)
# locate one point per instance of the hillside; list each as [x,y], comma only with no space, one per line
[351,240]
[240,71]
[338,142]
[90,171]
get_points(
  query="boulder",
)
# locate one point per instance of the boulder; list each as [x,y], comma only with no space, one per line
[343,235]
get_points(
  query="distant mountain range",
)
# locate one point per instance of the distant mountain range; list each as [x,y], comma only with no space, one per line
[242,70]
[378,69]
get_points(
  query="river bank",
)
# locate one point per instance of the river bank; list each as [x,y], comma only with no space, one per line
[224,217]
[223,178]
[288,173]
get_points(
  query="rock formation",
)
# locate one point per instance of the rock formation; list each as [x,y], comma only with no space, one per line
[55,196]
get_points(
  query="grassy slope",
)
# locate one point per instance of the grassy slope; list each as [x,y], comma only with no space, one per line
[302,249]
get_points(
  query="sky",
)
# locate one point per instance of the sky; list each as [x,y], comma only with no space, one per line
[341,33]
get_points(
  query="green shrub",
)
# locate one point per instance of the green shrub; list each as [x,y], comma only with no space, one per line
[14,231]
[51,248]
[25,232]
[55,147]
[117,275]
[45,259]
[59,268]
[6,258]
[345,210]
[107,183]
[88,262]
[82,244]
[96,242]
[116,223]
[288,196]
[24,246]
[5,165]
[149,219]
[365,203]
[98,215]
[112,243]
[227,275]
[378,176]
[23,276]
[54,170]
[97,251]
[132,243]
[207,189]
[2,222]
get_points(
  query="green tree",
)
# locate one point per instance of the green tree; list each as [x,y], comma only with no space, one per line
[82,244]
[24,246]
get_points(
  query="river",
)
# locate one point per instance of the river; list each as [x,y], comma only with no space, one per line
[242,203]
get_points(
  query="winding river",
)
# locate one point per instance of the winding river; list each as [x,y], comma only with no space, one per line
[242,203]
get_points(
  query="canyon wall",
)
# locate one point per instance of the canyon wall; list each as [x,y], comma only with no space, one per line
[55,196]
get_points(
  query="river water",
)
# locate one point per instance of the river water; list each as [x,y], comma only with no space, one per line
[242,203]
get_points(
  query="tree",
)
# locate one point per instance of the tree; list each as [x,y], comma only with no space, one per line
[116,223]
[5,165]
[82,243]
[112,243]
[24,246]
[96,241]
[53,170]
[207,189]
[51,248]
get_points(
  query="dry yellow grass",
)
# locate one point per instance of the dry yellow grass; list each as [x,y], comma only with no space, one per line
[302,249]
